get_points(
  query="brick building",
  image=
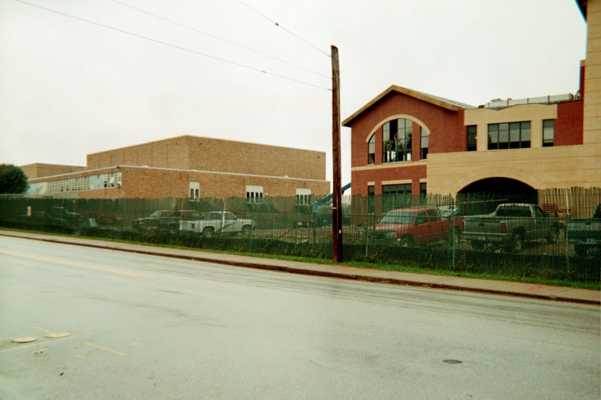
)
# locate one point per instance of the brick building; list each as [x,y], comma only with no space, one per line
[37,170]
[406,141]
[189,166]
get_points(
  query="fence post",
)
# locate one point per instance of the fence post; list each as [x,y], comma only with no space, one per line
[452,227]
[366,233]
[568,217]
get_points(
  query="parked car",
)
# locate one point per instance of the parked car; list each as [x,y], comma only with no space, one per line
[418,226]
[510,226]
[448,211]
[585,234]
[164,220]
[217,222]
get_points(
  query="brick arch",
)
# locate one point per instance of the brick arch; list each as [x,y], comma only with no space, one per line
[497,189]
[522,183]
[393,117]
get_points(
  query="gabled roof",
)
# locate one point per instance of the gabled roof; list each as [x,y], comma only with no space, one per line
[429,98]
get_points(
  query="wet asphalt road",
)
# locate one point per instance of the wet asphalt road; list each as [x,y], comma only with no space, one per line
[145,327]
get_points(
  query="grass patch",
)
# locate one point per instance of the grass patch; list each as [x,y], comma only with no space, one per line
[596,285]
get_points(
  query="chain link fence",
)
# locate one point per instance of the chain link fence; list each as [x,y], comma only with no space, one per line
[482,233]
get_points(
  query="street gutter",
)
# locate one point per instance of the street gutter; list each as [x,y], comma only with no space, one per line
[313,272]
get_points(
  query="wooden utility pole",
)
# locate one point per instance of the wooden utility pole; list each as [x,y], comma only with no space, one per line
[336,190]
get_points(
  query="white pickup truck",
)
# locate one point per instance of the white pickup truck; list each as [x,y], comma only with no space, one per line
[217,222]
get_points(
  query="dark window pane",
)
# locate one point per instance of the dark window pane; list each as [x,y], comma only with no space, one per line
[424,142]
[371,150]
[386,131]
[407,144]
[514,135]
[525,134]
[493,136]
[548,132]
[396,142]
[503,136]
[394,127]
[471,137]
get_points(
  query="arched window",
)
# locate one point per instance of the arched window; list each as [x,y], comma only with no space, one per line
[396,140]
[424,142]
[371,149]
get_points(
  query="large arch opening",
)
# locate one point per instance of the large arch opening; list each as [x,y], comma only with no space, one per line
[484,195]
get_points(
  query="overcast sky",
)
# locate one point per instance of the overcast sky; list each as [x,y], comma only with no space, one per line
[68,88]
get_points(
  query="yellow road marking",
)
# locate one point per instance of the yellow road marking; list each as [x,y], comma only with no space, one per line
[104,348]
[74,264]
[39,343]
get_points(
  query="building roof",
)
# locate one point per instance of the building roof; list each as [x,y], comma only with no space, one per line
[196,137]
[451,105]
[38,164]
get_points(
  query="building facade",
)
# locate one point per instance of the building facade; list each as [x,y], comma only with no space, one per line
[193,167]
[38,170]
[406,141]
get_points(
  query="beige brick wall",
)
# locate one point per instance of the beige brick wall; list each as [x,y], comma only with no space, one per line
[592,83]
[38,170]
[222,155]
[156,183]
[168,153]
[207,154]
[535,113]
[541,168]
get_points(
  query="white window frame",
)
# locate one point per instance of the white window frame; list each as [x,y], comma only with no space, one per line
[194,191]
[303,197]
[254,194]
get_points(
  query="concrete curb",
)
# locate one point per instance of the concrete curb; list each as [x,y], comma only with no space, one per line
[337,275]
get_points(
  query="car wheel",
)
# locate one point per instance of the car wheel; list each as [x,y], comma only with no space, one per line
[208,233]
[553,236]
[517,243]
[477,244]
[246,230]
[581,251]
[407,241]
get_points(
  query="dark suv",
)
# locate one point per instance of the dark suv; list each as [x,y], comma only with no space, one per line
[585,234]
[165,220]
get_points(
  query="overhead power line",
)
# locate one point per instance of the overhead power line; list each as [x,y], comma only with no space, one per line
[287,30]
[176,46]
[217,37]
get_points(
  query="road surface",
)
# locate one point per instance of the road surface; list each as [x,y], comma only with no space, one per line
[147,327]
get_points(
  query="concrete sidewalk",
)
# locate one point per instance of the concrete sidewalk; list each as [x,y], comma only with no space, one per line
[528,290]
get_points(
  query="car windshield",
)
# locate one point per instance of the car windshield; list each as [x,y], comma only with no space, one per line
[398,217]
[513,211]
[155,214]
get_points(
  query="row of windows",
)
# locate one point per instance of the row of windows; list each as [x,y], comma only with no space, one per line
[79,184]
[514,135]
[397,142]
[511,135]
[254,194]
[396,138]
[391,192]
[397,189]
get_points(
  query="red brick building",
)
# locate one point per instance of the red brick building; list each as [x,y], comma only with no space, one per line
[188,167]
[400,134]
[406,141]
